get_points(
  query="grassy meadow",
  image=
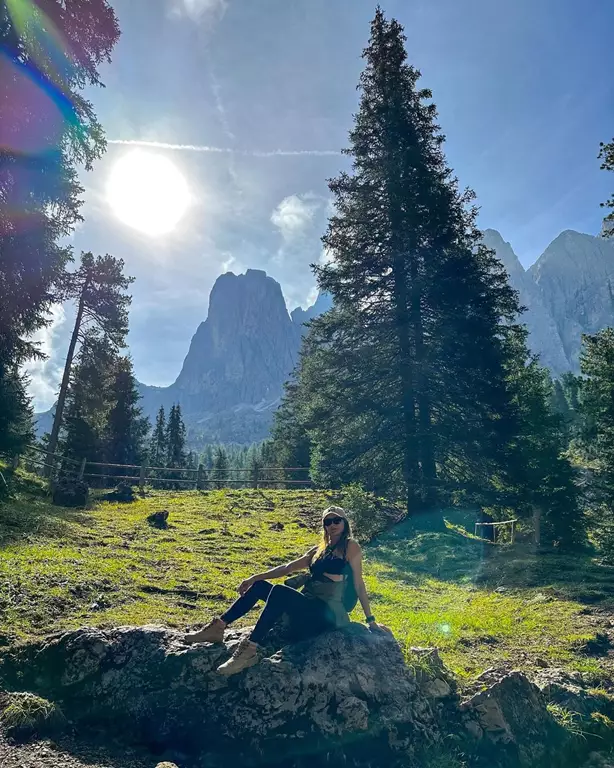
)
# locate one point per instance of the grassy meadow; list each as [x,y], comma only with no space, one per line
[481,605]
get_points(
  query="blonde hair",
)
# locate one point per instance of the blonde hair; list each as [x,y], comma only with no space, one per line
[343,539]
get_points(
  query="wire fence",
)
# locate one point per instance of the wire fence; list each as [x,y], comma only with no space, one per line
[109,475]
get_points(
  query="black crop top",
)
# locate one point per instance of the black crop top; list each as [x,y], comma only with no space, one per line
[328,564]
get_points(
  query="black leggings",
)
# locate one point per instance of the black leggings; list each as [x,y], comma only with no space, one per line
[308,616]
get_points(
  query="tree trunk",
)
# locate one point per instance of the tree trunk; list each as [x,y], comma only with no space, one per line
[408,402]
[59,409]
[425,437]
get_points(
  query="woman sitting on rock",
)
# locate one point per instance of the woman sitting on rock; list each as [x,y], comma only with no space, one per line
[320,606]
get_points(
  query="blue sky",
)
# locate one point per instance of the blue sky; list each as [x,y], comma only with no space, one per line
[524,92]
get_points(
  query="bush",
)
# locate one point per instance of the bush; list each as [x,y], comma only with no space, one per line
[70,493]
[365,513]
[24,715]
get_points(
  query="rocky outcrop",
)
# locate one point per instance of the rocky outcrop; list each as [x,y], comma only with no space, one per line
[239,359]
[346,696]
[300,316]
[544,339]
[347,690]
[576,277]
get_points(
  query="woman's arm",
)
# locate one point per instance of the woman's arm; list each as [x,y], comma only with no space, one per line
[354,556]
[280,570]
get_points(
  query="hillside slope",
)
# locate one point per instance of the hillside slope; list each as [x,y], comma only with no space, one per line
[481,605]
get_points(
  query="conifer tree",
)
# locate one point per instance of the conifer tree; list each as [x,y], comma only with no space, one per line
[98,287]
[89,400]
[51,51]
[405,378]
[220,467]
[175,439]
[606,155]
[127,428]
[597,407]
[158,449]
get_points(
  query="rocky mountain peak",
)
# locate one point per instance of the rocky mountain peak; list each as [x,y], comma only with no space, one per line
[245,349]
[505,253]
[544,337]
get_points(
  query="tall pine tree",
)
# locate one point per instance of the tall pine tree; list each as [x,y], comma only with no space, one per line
[158,449]
[89,401]
[404,380]
[127,428]
[597,408]
[51,51]
[606,155]
[175,439]
[220,467]
[99,290]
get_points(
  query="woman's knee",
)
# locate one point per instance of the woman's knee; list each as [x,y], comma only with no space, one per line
[277,595]
[261,589]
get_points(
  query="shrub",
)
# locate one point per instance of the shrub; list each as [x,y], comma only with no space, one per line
[364,512]
[24,714]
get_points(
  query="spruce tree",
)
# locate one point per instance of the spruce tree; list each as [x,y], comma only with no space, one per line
[89,400]
[405,378]
[606,155]
[597,407]
[158,449]
[537,475]
[51,51]
[16,429]
[127,428]
[175,439]
[98,287]
[220,467]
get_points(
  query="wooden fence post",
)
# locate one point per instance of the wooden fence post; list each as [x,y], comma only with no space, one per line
[15,463]
[513,536]
[142,479]
[82,469]
[199,477]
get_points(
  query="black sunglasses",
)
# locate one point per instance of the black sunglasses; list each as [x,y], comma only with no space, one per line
[332,521]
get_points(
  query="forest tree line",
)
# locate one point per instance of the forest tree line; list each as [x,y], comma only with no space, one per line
[418,384]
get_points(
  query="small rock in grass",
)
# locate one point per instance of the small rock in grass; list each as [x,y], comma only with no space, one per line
[277,527]
[158,519]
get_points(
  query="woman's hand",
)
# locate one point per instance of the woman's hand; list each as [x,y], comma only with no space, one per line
[375,627]
[245,585]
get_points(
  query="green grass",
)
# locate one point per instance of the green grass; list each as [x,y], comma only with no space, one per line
[481,605]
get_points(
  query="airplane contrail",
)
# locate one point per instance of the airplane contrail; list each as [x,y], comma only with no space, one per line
[226,150]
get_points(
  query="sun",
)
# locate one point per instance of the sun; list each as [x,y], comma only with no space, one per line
[148,192]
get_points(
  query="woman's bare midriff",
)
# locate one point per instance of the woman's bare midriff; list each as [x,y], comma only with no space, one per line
[334,576]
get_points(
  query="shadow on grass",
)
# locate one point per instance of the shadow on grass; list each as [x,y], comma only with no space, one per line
[27,515]
[464,560]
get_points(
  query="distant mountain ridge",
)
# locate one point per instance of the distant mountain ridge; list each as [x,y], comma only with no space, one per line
[232,378]
[567,292]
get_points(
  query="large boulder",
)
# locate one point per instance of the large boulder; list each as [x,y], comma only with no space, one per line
[346,697]
[348,689]
[511,725]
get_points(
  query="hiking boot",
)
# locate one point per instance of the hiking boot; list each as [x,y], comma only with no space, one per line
[213,632]
[245,655]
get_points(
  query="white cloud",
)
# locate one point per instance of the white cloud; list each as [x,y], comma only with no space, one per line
[199,9]
[295,215]
[45,375]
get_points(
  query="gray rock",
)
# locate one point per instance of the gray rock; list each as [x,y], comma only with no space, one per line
[511,724]
[544,338]
[576,276]
[233,377]
[348,689]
